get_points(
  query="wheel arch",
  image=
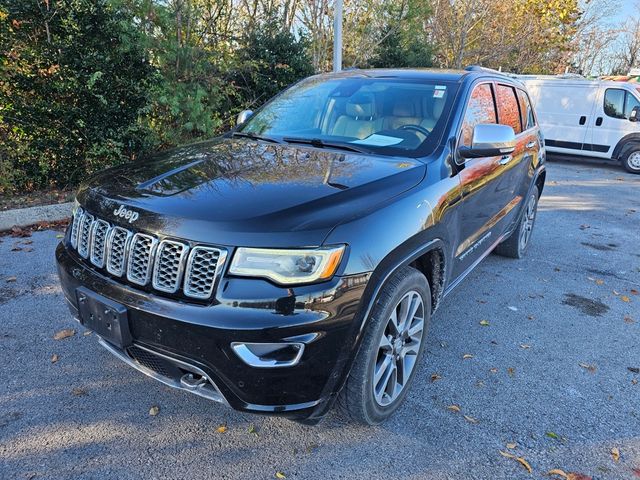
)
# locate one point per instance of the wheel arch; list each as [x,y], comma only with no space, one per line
[625,144]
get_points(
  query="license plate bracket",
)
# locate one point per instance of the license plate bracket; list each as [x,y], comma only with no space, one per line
[107,318]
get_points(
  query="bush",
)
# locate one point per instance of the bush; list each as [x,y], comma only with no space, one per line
[73,83]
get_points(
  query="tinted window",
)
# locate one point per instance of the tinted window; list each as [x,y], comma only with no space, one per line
[480,109]
[526,112]
[508,111]
[614,102]
[629,103]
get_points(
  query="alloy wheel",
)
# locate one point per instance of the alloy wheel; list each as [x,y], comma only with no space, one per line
[527,222]
[398,348]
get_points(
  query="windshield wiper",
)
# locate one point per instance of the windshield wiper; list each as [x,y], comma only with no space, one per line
[253,136]
[318,143]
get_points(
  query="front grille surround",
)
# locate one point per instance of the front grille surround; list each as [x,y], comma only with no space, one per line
[166,265]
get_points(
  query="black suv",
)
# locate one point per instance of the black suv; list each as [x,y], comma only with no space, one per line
[298,259]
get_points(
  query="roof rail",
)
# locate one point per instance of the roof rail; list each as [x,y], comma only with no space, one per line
[479,68]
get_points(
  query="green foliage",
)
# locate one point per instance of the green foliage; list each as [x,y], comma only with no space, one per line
[73,83]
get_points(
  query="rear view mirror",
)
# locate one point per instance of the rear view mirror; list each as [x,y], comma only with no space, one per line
[243,116]
[490,140]
[634,116]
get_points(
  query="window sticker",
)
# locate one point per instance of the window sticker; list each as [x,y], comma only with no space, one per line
[439,91]
[376,140]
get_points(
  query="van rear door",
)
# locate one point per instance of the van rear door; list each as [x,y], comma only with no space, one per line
[610,122]
[564,111]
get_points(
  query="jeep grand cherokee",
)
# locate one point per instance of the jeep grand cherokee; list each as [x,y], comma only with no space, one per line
[298,259]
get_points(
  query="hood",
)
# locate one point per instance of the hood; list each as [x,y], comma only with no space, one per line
[242,192]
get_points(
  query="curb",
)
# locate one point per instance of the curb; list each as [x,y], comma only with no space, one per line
[23,217]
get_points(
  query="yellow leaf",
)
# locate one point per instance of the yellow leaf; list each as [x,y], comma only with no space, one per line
[558,472]
[153,411]
[511,446]
[484,323]
[467,356]
[520,460]
[280,475]
[67,332]
[453,408]
[470,419]
[615,454]
[624,298]
[221,429]
[599,282]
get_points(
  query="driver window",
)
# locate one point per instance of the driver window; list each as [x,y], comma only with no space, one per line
[480,109]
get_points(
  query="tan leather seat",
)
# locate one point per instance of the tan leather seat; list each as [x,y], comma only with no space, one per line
[404,113]
[359,120]
[438,106]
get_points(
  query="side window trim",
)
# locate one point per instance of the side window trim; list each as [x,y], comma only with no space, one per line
[466,105]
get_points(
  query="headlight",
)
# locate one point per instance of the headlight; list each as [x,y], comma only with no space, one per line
[287,267]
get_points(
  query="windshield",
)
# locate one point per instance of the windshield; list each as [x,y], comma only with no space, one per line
[383,115]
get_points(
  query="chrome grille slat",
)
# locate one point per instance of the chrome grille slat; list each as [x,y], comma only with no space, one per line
[202,270]
[99,232]
[170,259]
[84,235]
[117,246]
[143,259]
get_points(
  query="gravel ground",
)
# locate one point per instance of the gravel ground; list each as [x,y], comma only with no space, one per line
[550,373]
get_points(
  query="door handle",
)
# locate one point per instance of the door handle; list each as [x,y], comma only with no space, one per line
[530,144]
[583,120]
[598,121]
[505,159]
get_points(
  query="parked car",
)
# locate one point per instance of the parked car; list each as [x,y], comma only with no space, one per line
[588,117]
[299,259]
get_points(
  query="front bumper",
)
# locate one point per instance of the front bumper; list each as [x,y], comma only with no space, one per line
[245,310]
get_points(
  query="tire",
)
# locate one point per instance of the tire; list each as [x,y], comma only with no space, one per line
[516,245]
[363,399]
[631,161]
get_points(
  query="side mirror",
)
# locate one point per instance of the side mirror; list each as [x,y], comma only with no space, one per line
[634,116]
[243,116]
[490,140]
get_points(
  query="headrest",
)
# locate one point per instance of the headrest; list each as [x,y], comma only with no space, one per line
[404,109]
[360,107]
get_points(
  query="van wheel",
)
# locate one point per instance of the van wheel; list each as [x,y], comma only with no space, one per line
[516,245]
[391,349]
[631,161]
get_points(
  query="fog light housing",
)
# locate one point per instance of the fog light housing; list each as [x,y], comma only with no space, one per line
[269,355]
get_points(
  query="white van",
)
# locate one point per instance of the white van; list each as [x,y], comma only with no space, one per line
[591,118]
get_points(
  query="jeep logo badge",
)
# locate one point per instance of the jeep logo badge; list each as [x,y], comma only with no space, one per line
[126,214]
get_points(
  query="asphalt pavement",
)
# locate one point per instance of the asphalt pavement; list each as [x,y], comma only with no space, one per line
[540,356]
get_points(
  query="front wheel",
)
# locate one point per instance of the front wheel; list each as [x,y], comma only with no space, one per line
[516,245]
[631,161]
[391,349]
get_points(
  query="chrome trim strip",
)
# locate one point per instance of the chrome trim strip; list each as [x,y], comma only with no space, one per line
[222,258]
[92,254]
[125,253]
[207,390]
[152,248]
[251,359]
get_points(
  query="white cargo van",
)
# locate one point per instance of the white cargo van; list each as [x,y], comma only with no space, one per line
[592,118]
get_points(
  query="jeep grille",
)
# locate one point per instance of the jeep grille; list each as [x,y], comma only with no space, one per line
[167,265]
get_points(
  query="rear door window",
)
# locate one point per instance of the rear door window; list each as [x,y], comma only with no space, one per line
[526,112]
[480,109]
[508,111]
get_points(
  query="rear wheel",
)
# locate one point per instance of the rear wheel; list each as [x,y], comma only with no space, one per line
[631,161]
[516,245]
[391,349]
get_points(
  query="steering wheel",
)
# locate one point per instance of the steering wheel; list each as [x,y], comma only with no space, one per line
[417,128]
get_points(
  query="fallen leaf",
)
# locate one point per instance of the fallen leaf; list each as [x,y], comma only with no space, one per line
[599,282]
[634,381]
[511,446]
[467,356]
[155,410]
[590,368]
[530,317]
[435,377]
[280,475]
[634,291]
[584,226]
[27,242]
[615,454]
[615,292]
[11,279]
[16,249]
[552,435]
[558,472]
[511,371]
[578,476]
[520,460]
[471,419]
[628,319]
[60,235]
[453,408]
[624,298]
[253,430]
[87,333]
[221,429]
[493,370]
[634,369]
[54,358]
[524,346]
[79,392]
[67,332]
[484,323]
